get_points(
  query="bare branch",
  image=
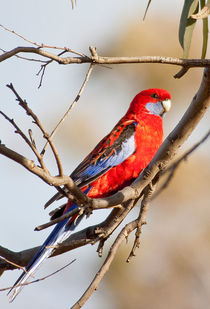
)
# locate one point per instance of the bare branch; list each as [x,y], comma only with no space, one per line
[25,58]
[57,220]
[105,267]
[43,68]
[31,137]
[136,224]
[141,218]
[185,63]
[12,263]
[30,144]
[29,112]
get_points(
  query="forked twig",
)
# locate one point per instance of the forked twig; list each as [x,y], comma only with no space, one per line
[105,267]
[29,112]
[25,58]
[43,68]
[31,144]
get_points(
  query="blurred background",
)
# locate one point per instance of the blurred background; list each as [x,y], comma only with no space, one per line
[172,266]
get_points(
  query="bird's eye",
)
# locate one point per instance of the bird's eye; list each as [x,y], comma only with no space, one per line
[155,96]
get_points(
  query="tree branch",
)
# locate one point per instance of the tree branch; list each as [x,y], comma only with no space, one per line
[105,267]
[29,112]
[184,63]
[25,138]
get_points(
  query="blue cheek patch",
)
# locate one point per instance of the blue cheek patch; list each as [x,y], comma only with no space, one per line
[155,108]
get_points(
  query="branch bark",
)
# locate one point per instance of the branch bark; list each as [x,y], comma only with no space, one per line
[96,59]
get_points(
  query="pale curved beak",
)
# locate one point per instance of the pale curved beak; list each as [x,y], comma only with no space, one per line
[166,105]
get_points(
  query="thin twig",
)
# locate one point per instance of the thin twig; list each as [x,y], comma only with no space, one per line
[28,142]
[31,137]
[29,112]
[57,220]
[71,106]
[141,219]
[43,68]
[40,279]
[25,58]
[12,263]
[105,267]
[55,181]
[42,45]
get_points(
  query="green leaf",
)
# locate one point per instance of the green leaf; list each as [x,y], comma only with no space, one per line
[205,29]
[148,4]
[187,25]
[205,37]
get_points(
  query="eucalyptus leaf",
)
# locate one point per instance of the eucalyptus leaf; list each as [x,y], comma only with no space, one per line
[203,5]
[187,24]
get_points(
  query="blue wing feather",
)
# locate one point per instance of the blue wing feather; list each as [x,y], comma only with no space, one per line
[106,155]
[111,151]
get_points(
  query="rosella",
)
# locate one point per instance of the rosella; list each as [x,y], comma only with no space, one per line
[113,164]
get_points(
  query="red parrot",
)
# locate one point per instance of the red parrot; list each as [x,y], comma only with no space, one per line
[113,164]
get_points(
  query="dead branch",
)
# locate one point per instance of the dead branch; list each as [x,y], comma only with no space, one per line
[26,58]
[25,138]
[186,64]
[55,181]
[105,267]
[43,68]
[29,112]
[148,192]
[12,263]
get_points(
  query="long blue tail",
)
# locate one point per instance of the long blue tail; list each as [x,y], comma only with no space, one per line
[60,233]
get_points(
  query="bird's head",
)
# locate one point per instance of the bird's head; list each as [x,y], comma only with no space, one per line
[151,101]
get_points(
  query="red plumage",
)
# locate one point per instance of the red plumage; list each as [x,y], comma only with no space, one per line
[148,138]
